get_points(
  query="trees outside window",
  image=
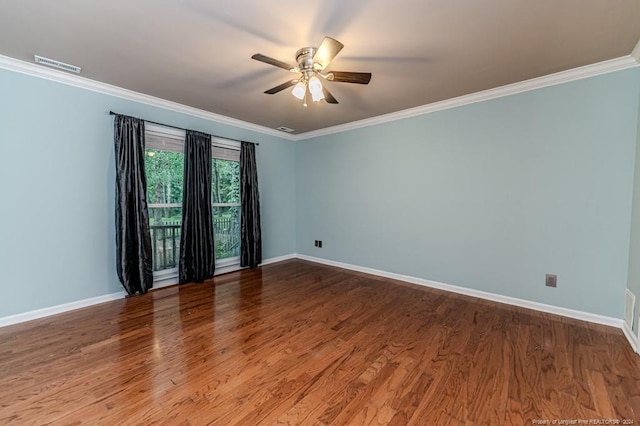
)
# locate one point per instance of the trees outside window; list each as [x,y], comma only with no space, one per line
[164,171]
[225,199]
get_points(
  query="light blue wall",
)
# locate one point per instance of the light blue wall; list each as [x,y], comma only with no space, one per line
[57,174]
[489,196]
[633,283]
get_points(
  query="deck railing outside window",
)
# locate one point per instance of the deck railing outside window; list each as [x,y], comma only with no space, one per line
[165,241]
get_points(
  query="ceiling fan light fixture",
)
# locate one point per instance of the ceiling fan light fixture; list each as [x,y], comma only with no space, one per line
[317,96]
[299,90]
[315,87]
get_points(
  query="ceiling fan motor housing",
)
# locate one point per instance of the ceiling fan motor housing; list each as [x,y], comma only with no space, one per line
[304,58]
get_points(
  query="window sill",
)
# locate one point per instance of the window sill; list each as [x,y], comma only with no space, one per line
[170,277]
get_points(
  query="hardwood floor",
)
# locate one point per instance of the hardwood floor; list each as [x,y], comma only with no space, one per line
[301,343]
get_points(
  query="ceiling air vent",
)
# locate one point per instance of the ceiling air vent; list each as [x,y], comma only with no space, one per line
[57,64]
[285,129]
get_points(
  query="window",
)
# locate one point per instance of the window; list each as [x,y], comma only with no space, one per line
[225,199]
[164,167]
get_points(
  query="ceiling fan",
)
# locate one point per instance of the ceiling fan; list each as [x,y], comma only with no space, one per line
[312,63]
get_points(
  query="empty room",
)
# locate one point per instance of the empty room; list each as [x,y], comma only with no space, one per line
[323,212]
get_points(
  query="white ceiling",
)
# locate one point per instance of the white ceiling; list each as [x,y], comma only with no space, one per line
[198,53]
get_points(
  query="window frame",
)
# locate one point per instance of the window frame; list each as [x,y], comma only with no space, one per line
[168,277]
[229,263]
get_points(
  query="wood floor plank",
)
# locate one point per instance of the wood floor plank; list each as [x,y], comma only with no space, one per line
[301,343]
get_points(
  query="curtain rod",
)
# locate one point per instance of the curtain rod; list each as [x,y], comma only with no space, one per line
[182,128]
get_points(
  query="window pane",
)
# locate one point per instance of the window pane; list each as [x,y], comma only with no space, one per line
[225,185]
[225,189]
[226,224]
[165,224]
[164,170]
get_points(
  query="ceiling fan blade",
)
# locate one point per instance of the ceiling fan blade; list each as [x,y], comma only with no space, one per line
[281,87]
[328,50]
[271,61]
[350,77]
[328,97]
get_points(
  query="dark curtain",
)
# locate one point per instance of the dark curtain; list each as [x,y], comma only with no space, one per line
[133,240]
[197,257]
[250,233]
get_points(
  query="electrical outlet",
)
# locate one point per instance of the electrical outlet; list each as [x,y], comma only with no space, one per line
[551,280]
[315,243]
[320,243]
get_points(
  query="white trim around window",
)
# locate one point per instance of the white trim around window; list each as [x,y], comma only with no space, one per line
[169,277]
[225,204]
[162,206]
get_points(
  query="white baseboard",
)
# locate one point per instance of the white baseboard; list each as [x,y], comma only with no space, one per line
[65,307]
[278,259]
[566,312]
[632,338]
[585,316]
[58,309]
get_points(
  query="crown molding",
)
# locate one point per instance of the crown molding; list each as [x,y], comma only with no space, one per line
[574,74]
[636,53]
[618,64]
[40,71]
